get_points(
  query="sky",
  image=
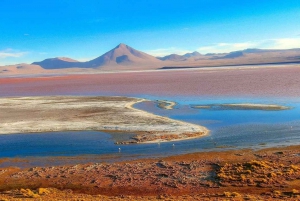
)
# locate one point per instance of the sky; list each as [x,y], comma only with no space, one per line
[35,30]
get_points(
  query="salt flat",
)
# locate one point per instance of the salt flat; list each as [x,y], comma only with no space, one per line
[67,113]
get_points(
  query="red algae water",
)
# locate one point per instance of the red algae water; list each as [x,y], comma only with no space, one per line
[250,82]
[230,129]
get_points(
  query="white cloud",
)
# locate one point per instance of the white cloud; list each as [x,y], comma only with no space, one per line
[226,47]
[280,43]
[167,51]
[285,43]
[84,59]
[11,53]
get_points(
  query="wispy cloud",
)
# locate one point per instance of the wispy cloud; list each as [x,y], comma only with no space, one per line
[285,43]
[84,59]
[280,43]
[11,53]
[226,47]
[167,51]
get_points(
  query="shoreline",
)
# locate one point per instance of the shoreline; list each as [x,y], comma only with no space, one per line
[166,105]
[72,113]
[205,130]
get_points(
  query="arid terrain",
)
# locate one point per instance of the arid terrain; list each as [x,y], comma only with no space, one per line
[268,174]
[149,100]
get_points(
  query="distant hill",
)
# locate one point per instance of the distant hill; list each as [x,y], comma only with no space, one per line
[230,55]
[193,54]
[58,62]
[124,57]
[172,57]
[253,52]
[121,55]
[176,57]
[21,69]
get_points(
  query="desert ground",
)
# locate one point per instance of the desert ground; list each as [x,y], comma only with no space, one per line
[266,174]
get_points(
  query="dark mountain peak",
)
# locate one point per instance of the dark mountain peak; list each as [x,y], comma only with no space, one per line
[193,54]
[230,55]
[122,45]
[177,57]
[172,57]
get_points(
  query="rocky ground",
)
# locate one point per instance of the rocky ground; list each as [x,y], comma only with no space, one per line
[268,174]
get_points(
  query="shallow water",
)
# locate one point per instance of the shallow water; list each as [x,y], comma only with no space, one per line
[238,128]
[230,129]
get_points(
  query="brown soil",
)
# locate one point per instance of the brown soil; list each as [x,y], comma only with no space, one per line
[242,174]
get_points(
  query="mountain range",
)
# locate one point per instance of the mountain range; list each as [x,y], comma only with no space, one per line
[124,57]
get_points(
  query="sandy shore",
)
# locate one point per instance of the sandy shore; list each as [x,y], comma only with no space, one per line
[46,114]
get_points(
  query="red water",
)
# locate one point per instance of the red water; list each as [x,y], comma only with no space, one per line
[275,82]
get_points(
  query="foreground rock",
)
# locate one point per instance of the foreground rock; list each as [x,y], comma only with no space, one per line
[270,174]
[46,114]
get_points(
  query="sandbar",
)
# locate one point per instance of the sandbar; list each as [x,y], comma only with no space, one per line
[167,105]
[71,113]
[242,106]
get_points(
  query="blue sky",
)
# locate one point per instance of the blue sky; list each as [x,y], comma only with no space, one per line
[34,30]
